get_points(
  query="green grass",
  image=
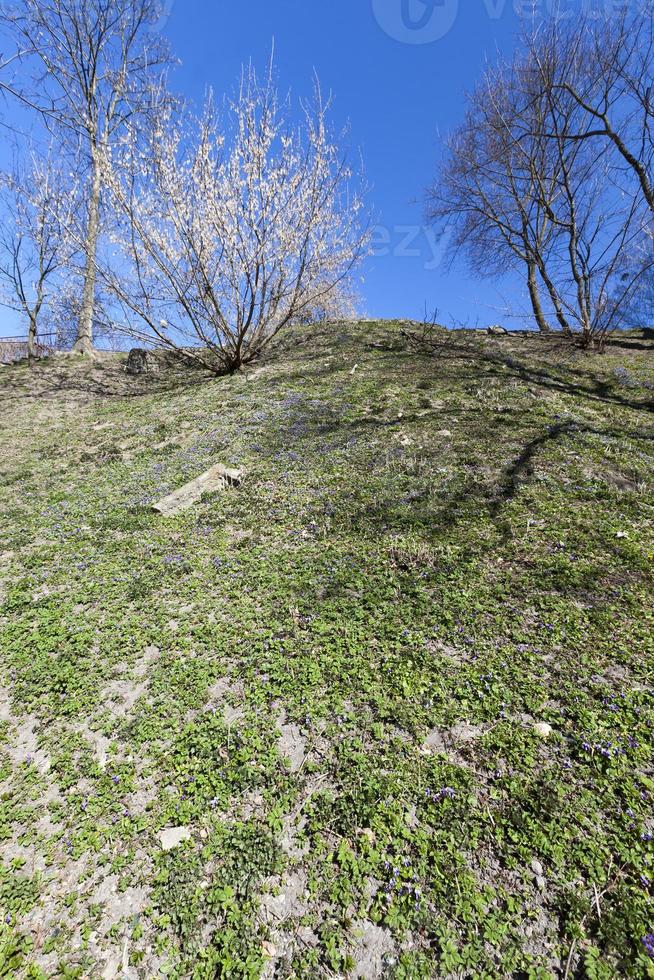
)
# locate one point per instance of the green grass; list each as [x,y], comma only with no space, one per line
[331,675]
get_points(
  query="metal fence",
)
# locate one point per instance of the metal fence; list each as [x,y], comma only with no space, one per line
[14,349]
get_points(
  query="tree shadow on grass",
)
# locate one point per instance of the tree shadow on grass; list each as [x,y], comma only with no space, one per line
[85,381]
[438,517]
[563,378]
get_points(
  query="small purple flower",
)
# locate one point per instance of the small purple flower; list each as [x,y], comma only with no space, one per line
[445,793]
[648,943]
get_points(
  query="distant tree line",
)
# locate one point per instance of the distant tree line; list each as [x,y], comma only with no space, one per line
[207,233]
[551,172]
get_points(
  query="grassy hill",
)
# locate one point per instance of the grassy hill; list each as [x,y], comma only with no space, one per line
[334,682]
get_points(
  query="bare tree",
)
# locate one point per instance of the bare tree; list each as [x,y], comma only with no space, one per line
[489,191]
[60,316]
[92,63]
[606,68]
[639,305]
[230,236]
[527,181]
[602,213]
[35,246]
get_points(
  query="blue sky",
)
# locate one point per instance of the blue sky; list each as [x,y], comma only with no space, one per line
[398,71]
[397,88]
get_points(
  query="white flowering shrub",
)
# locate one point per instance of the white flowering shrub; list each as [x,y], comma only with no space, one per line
[228,234]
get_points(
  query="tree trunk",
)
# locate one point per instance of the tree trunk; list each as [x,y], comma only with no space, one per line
[543,325]
[31,340]
[84,342]
[556,300]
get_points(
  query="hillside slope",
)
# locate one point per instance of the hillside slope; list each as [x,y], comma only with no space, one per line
[333,682]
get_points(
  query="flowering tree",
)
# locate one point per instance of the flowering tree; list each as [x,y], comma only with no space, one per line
[229,237]
[35,242]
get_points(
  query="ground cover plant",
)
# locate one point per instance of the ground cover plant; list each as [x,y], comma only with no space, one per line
[391,697]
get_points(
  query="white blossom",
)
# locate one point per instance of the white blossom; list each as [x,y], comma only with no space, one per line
[231,234]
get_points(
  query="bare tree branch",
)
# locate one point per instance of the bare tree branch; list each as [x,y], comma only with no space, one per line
[89,67]
[35,245]
[530,182]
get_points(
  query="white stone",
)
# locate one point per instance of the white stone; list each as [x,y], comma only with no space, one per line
[173,837]
[217,478]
